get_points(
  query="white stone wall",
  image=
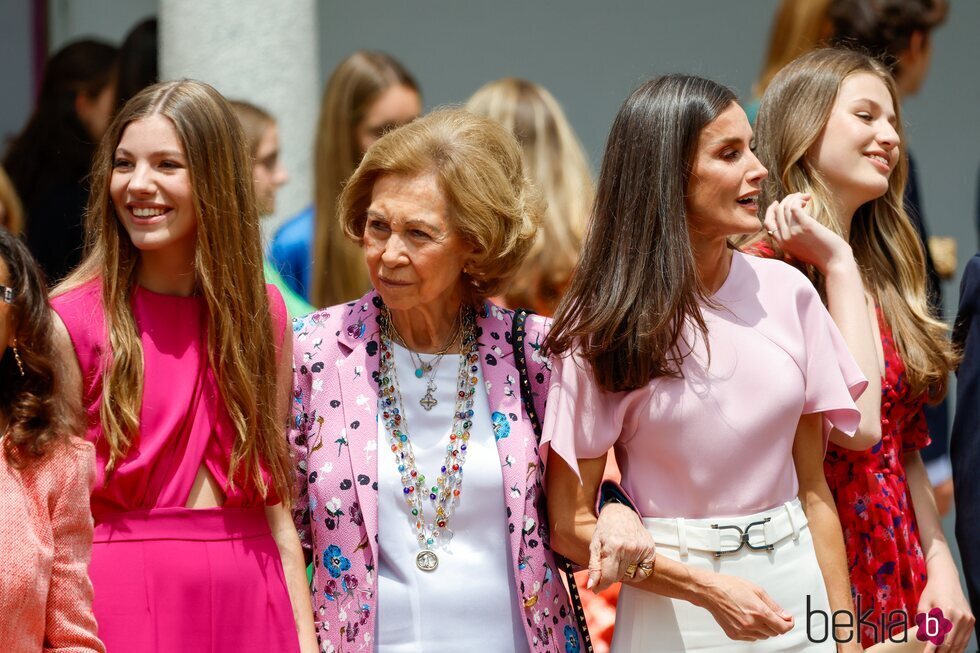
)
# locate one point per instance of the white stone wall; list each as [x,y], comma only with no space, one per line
[260,51]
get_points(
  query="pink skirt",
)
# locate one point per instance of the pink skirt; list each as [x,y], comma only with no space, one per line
[177,580]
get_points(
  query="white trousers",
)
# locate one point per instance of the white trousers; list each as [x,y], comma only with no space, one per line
[789,573]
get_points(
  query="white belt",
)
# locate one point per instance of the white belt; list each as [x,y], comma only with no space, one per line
[759,532]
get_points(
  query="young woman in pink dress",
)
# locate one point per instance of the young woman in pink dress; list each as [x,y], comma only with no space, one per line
[45,530]
[717,378]
[830,131]
[177,340]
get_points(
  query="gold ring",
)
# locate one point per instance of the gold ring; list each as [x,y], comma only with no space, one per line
[645,567]
[631,570]
[770,232]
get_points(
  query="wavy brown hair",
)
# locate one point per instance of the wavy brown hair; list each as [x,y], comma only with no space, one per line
[555,161]
[37,416]
[492,203]
[338,273]
[792,117]
[228,265]
[637,284]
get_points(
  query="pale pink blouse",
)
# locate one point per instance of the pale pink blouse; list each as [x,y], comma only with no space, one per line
[718,442]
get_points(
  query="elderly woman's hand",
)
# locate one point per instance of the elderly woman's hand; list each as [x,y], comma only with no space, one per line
[621,549]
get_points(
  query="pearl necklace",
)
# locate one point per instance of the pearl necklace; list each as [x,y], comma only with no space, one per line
[445,493]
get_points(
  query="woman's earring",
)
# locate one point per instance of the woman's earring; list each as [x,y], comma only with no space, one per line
[20,363]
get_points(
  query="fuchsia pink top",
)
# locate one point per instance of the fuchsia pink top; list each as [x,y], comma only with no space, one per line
[183,421]
[718,442]
[171,579]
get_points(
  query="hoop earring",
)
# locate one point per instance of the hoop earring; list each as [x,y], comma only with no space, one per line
[20,363]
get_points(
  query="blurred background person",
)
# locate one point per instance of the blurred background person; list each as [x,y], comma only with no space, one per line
[11,210]
[556,163]
[268,174]
[139,57]
[45,477]
[898,33]
[965,438]
[48,161]
[368,94]
[798,27]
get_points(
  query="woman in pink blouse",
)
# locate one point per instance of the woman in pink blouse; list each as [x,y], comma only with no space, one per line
[717,377]
[45,476]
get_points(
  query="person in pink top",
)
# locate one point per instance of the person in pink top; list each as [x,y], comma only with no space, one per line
[717,378]
[177,339]
[45,531]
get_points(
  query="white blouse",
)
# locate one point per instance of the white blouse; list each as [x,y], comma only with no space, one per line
[469,603]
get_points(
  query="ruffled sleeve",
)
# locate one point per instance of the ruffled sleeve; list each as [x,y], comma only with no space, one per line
[833,379]
[581,420]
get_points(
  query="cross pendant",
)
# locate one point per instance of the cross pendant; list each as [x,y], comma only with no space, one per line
[428,401]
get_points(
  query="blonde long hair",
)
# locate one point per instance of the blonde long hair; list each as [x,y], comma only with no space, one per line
[228,265]
[338,265]
[794,111]
[798,27]
[556,163]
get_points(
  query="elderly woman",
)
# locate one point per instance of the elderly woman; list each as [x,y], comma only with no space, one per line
[401,390]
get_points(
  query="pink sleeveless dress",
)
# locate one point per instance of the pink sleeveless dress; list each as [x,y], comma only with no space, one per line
[170,579]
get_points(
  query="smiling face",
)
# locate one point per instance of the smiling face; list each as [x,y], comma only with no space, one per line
[414,255]
[859,146]
[722,194]
[397,105]
[268,171]
[150,186]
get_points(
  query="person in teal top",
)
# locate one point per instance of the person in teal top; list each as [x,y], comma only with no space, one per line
[262,138]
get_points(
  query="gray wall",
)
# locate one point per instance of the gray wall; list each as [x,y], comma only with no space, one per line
[590,55]
[15,68]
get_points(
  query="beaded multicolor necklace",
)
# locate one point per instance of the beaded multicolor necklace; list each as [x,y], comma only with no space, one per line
[445,493]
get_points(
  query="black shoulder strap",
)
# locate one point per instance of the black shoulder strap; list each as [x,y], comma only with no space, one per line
[520,361]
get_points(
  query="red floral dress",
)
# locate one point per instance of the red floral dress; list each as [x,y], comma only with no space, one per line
[884,554]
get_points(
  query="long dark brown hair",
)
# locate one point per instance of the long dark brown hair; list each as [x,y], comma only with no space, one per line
[36,416]
[637,285]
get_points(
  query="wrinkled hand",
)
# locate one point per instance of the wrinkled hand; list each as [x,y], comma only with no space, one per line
[619,540]
[798,234]
[943,591]
[743,610]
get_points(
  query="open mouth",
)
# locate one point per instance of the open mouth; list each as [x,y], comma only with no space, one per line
[750,201]
[880,162]
[148,214]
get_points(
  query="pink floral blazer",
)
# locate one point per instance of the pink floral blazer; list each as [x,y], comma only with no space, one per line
[334,436]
